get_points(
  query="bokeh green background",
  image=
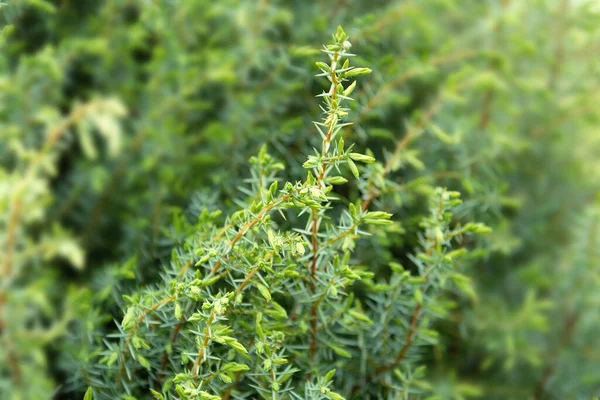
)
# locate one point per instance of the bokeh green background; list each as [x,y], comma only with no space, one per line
[158,105]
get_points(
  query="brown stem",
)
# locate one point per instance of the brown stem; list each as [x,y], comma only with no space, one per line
[165,357]
[12,358]
[486,109]
[313,266]
[16,203]
[15,215]
[335,9]
[175,333]
[243,230]
[408,341]
[140,319]
[559,49]
[13,362]
[410,135]
[402,78]
[196,367]
[247,280]
[227,393]
[567,333]
[390,17]
[315,216]
[249,226]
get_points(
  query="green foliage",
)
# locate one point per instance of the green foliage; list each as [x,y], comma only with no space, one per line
[269,310]
[318,269]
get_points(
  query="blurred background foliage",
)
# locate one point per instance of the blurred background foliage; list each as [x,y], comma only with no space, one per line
[121,119]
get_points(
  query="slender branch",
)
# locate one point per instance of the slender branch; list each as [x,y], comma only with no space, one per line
[391,16]
[315,216]
[342,235]
[215,268]
[182,321]
[486,109]
[243,230]
[140,319]
[249,226]
[204,344]
[165,357]
[408,137]
[550,368]
[227,393]
[247,280]
[16,203]
[14,217]
[274,380]
[12,357]
[408,341]
[559,48]
[404,77]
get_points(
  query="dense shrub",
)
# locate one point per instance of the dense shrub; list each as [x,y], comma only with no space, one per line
[127,127]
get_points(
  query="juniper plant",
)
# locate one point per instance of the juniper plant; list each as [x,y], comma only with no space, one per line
[209,81]
[29,317]
[262,305]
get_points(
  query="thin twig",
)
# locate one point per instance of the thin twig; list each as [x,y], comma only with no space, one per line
[410,135]
[315,215]
[408,341]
